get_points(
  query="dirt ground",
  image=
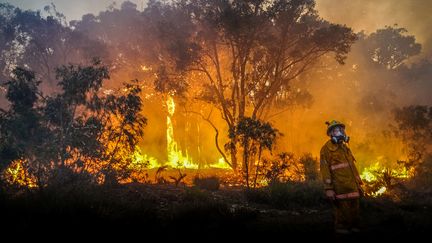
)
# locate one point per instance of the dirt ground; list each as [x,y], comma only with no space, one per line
[166,211]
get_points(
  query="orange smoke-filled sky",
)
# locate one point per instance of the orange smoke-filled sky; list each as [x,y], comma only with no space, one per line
[367,15]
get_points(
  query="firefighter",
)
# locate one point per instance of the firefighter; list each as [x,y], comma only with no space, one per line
[342,182]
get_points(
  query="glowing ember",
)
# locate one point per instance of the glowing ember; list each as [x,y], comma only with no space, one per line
[17,174]
[145,68]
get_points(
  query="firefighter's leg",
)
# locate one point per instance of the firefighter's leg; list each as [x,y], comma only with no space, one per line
[341,208]
[354,218]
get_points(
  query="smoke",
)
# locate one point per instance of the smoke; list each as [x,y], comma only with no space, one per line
[361,95]
[370,15]
[357,94]
[73,10]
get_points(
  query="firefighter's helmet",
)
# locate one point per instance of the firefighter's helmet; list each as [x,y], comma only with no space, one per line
[332,124]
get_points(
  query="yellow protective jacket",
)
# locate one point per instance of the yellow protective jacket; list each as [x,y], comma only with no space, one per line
[338,170]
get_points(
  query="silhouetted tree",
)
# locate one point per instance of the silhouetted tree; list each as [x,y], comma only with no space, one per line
[254,136]
[414,127]
[80,128]
[124,31]
[390,47]
[42,44]
[246,53]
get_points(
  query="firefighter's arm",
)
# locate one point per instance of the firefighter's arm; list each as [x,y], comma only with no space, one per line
[325,171]
[354,167]
[357,175]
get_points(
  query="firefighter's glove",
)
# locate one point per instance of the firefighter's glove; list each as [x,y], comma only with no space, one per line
[331,194]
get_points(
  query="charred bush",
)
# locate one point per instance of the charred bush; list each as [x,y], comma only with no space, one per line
[194,195]
[285,195]
[257,195]
[211,183]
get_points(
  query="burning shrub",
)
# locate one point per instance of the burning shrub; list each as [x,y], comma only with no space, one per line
[310,165]
[80,128]
[18,175]
[285,167]
[377,180]
[211,183]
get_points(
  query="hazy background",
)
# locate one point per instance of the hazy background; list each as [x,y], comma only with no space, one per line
[369,15]
[354,93]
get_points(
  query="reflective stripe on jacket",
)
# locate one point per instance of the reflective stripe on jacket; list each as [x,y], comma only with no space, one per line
[338,170]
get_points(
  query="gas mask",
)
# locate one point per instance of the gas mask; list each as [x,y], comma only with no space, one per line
[338,135]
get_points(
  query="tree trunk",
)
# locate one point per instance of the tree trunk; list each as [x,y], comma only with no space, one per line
[246,161]
[257,166]
[233,152]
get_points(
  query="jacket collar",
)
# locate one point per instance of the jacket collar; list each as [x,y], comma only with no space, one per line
[331,146]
